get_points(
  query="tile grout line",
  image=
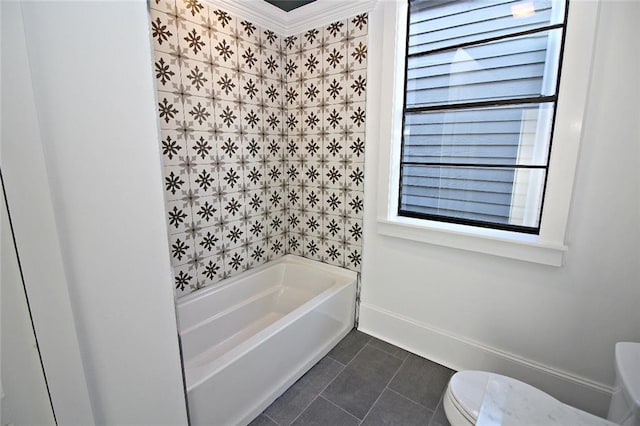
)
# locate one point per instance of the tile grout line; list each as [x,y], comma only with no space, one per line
[329,384]
[322,390]
[342,367]
[409,399]
[387,352]
[305,409]
[342,409]
[437,406]
[433,411]
[385,386]
[335,360]
[267,416]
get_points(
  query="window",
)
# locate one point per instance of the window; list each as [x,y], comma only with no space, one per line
[385,125]
[481,88]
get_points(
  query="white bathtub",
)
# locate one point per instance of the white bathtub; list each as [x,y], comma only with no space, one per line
[246,341]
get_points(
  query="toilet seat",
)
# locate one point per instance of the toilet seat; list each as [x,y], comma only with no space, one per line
[507,401]
[466,390]
[455,412]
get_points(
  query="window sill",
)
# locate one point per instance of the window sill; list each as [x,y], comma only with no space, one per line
[513,245]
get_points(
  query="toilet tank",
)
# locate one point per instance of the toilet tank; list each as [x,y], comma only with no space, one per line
[625,401]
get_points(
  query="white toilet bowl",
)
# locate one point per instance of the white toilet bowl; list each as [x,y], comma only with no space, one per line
[483,398]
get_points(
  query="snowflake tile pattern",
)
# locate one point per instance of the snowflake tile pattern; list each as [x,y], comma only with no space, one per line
[262,138]
[325,151]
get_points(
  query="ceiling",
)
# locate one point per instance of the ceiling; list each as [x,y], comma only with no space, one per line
[289,5]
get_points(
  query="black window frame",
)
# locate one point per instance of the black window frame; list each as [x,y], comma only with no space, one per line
[468,105]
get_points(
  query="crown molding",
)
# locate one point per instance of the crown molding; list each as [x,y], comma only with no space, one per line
[323,12]
[257,11]
[316,14]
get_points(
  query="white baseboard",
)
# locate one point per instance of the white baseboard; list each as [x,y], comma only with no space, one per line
[460,353]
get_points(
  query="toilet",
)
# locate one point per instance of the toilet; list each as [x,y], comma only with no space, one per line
[483,398]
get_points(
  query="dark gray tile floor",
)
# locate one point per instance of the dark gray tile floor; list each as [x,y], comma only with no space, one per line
[364,381]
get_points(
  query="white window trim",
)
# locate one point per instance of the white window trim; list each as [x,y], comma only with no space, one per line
[549,246]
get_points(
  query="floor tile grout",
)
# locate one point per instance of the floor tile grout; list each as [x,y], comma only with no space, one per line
[333,403]
[344,367]
[317,396]
[333,359]
[304,409]
[386,352]
[438,406]
[385,386]
[267,416]
[409,399]
[372,405]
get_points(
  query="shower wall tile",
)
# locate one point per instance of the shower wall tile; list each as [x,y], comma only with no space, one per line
[176,182]
[256,254]
[206,242]
[249,32]
[167,6]
[164,31]
[353,256]
[182,248]
[334,32]
[270,40]
[357,25]
[201,147]
[221,141]
[262,139]
[223,22]
[179,216]
[170,110]
[186,279]
[167,71]
[224,49]
[210,270]
[356,50]
[326,95]
[173,146]
[193,11]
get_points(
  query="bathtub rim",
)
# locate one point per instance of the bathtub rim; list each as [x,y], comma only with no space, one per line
[287,258]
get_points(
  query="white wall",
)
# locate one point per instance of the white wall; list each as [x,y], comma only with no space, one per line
[554,327]
[29,196]
[25,400]
[93,90]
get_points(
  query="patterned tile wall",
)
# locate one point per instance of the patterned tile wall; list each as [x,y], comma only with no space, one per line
[326,71]
[262,140]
